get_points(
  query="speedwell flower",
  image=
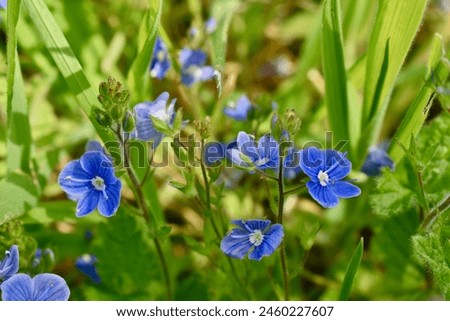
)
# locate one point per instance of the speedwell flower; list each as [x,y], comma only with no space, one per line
[246,152]
[10,264]
[43,287]
[86,265]
[376,160]
[327,168]
[255,237]
[145,130]
[210,25]
[238,110]
[160,63]
[92,183]
[193,67]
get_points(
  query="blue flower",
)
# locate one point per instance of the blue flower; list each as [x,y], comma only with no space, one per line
[43,287]
[246,153]
[255,237]
[193,67]
[160,63]
[210,25]
[327,168]
[10,264]
[3,4]
[86,265]
[376,160]
[292,164]
[92,183]
[39,254]
[238,110]
[145,130]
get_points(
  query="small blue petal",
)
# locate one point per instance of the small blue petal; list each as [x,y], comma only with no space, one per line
[97,164]
[108,206]
[160,63]
[234,246]
[88,202]
[345,189]
[43,287]
[86,265]
[375,161]
[239,110]
[207,73]
[322,194]
[10,264]
[247,145]
[74,180]
[192,67]
[311,162]
[210,25]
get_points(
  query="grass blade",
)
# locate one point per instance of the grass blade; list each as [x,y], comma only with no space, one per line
[65,60]
[352,268]
[222,11]
[395,27]
[138,75]
[18,127]
[418,111]
[334,70]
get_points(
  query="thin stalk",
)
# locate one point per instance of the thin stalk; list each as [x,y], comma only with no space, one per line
[294,190]
[280,221]
[145,212]
[431,217]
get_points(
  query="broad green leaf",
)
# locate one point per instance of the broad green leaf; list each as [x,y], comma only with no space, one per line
[418,111]
[18,132]
[352,268]
[334,70]
[222,11]
[65,60]
[124,241]
[394,29]
[18,194]
[138,75]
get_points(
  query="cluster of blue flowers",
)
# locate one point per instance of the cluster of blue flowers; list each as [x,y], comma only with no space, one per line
[193,61]
[22,287]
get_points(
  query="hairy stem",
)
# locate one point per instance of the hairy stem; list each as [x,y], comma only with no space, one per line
[145,212]
[431,217]
[281,196]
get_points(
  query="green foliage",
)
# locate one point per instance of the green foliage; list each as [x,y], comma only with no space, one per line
[352,268]
[124,241]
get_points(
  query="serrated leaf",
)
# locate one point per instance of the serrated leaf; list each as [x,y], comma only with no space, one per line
[391,197]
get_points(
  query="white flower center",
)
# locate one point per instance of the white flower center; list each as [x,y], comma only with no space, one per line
[256,238]
[323,178]
[195,72]
[98,183]
[163,115]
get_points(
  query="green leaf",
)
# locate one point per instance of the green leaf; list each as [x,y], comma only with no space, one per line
[18,132]
[18,194]
[391,196]
[222,11]
[394,29]
[418,111]
[66,61]
[138,75]
[352,268]
[334,70]
[124,241]
[161,126]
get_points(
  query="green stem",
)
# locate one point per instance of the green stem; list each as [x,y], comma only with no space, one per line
[432,216]
[145,212]
[280,221]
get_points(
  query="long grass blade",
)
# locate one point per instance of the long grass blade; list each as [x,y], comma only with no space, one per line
[65,60]
[18,127]
[418,111]
[395,27]
[352,268]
